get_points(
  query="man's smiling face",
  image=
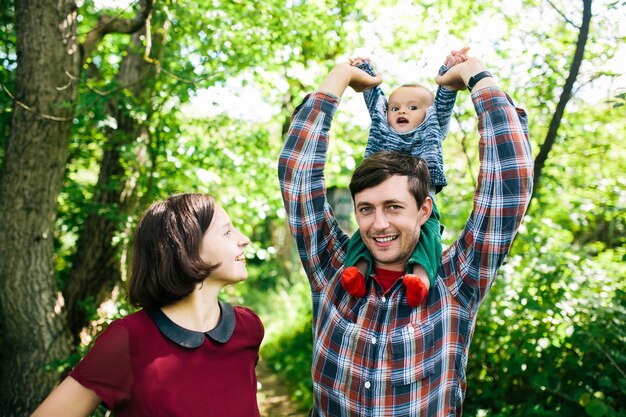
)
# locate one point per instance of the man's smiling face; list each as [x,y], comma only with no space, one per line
[390,221]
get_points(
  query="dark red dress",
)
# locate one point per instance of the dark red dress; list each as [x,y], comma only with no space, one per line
[146,365]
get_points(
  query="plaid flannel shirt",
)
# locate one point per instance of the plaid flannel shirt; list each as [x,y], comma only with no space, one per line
[376,356]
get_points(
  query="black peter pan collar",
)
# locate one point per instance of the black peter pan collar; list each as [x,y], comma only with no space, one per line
[190,338]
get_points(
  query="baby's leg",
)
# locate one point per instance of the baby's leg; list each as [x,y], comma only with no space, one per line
[361,266]
[421,273]
[417,285]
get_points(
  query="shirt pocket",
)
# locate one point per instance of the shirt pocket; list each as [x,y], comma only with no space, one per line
[344,304]
[334,350]
[412,348]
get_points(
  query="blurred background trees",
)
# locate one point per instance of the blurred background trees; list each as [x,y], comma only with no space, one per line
[108,105]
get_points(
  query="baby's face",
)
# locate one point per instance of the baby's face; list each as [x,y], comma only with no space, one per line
[407,107]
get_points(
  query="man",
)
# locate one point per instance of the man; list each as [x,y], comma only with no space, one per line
[375,355]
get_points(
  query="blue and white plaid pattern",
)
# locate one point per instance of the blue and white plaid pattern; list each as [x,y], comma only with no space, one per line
[376,356]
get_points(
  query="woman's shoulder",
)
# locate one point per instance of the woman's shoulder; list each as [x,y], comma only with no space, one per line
[131,322]
[248,319]
[246,314]
[132,318]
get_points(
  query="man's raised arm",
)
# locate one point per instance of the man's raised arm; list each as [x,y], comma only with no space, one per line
[321,243]
[504,185]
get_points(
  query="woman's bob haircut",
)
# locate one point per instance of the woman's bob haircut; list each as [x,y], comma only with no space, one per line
[166,263]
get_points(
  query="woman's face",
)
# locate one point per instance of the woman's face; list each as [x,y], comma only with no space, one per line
[224,244]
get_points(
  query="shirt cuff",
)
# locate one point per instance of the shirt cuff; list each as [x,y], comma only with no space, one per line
[323,101]
[447,91]
[490,98]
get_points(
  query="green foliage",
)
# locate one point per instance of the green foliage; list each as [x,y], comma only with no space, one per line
[7,65]
[551,332]
[199,47]
[290,356]
[549,339]
[288,346]
[582,190]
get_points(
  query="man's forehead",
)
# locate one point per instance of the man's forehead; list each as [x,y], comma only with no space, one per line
[393,189]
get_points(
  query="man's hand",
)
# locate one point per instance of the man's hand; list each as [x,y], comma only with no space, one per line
[344,75]
[458,76]
[360,80]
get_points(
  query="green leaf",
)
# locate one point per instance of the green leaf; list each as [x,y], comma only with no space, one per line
[596,408]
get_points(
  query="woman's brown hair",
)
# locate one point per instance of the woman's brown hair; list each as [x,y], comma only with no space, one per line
[166,263]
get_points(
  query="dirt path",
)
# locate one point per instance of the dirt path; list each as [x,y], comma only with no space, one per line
[273,395]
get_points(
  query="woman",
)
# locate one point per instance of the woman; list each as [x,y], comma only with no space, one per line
[185,353]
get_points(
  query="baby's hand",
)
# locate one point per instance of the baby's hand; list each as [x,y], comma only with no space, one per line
[358,61]
[456,57]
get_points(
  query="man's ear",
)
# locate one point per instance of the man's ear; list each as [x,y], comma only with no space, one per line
[426,210]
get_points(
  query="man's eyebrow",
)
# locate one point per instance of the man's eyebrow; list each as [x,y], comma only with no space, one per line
[385,203]
[393,201]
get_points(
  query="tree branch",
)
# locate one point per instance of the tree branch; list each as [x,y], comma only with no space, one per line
[562,15]
[566,94]
[114,24]
[32,110]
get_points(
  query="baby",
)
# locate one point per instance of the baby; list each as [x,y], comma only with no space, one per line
[416,122]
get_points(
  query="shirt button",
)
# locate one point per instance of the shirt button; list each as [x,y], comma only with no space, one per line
[410,328]
[367,384]
[373,340]
[383,299]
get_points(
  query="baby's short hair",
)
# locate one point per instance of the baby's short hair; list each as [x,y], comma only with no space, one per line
[415,85]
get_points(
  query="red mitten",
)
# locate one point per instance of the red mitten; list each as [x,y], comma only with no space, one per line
[353,281]
[416,291]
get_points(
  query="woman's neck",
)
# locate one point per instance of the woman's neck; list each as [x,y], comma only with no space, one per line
[199,311]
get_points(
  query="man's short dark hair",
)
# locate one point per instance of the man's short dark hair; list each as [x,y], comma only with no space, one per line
[166,263]
[385,164]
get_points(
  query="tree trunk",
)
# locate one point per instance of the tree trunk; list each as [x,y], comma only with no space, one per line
[340,200]
[34,327]
[49,61]
[96,266]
